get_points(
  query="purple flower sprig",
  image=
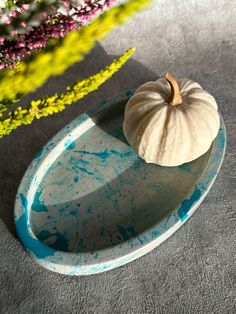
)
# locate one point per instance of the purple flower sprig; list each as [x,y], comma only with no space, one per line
[24,17]
[20,17]
[53,26]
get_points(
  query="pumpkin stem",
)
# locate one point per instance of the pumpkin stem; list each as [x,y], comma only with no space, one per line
[175,97]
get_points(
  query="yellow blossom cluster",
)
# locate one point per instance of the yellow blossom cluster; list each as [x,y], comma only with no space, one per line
[50,105]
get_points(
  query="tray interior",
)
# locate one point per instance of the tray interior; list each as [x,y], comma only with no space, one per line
[99,193]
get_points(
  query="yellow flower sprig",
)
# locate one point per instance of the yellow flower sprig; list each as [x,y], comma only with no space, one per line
[50,105]
[34,71]
[4,106]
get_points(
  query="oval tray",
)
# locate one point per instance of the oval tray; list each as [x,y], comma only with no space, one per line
[88,203]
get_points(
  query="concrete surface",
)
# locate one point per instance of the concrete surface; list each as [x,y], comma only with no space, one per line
[195,270]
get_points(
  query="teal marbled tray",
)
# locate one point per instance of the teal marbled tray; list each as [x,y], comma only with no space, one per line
[88,203]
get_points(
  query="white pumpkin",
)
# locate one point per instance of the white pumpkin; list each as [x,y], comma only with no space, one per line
[170,122]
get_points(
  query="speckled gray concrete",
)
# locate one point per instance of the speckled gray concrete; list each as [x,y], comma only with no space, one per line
[195,270]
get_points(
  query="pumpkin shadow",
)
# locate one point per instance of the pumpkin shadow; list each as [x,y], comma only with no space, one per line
[19,149]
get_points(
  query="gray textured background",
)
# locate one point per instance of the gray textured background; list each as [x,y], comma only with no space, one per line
[195,270]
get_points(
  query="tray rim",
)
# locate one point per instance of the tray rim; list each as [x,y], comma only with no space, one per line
[117,255]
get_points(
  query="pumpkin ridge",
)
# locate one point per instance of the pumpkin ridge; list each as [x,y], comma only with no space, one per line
[137,108]
[148,125]
[140,127]
[160,87]
[165,132]
[190,131]
[185,85]
[149,95]
[206,125]
[200,98]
